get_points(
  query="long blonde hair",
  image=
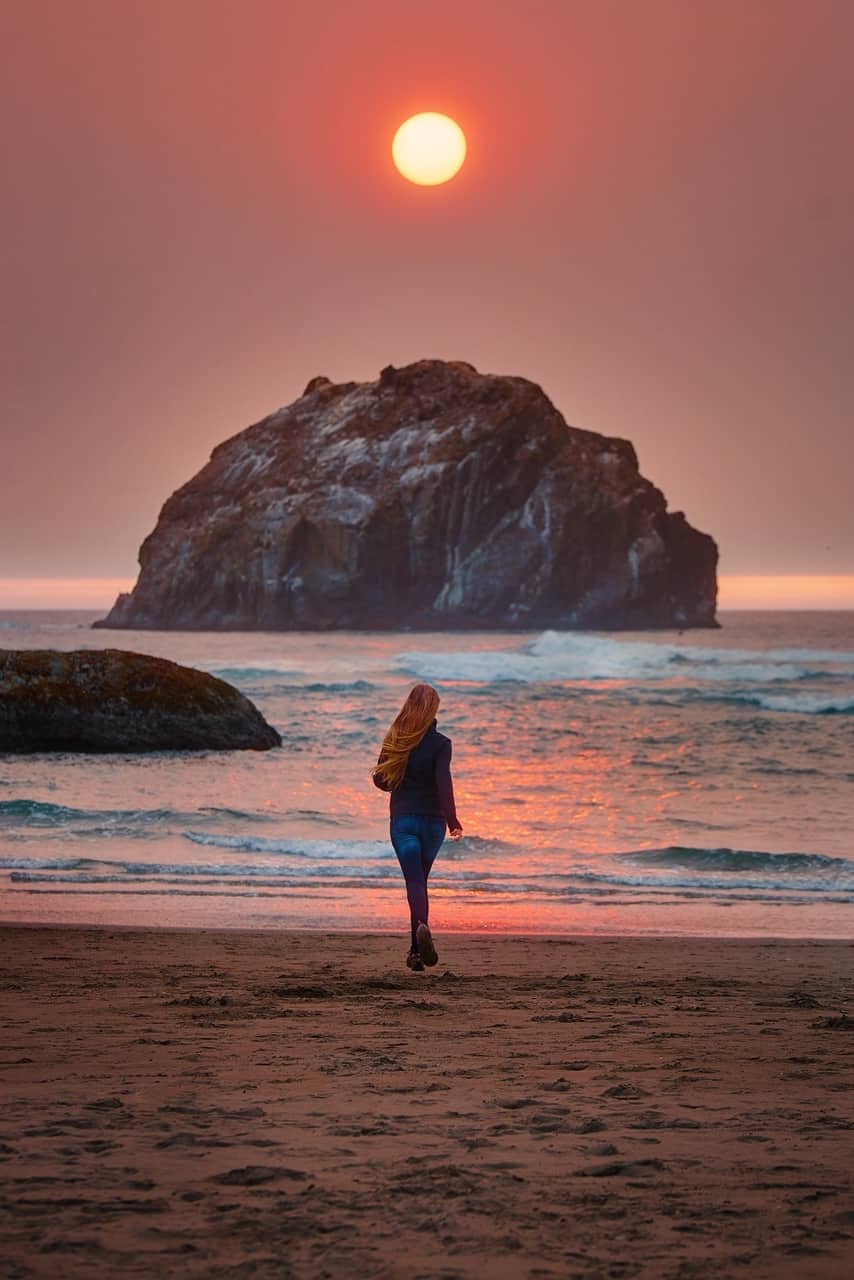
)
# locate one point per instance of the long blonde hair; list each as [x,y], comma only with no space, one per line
[407,729]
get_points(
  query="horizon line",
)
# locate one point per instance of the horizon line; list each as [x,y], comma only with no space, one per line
[824,592]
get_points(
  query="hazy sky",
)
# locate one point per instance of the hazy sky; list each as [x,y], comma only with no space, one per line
[655,222]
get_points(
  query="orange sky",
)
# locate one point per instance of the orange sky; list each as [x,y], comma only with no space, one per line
[655,222]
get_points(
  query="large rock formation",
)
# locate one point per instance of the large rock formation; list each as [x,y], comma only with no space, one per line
[108,700]
[434,497]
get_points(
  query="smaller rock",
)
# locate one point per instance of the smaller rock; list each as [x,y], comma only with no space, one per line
[110,700]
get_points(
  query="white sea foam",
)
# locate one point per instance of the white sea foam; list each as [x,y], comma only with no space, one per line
[723,883]
[561,656]
[362,850]
[807,704]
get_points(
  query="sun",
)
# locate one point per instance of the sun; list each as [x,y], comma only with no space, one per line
[429,149]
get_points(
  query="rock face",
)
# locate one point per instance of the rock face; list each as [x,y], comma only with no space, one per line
[435,497]
[115,701]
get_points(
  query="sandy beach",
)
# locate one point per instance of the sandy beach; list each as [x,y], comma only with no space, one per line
[299,1104]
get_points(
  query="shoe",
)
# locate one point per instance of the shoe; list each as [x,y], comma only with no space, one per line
[426,950]
[414,962]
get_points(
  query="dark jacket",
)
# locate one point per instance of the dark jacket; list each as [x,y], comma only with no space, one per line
[426,786]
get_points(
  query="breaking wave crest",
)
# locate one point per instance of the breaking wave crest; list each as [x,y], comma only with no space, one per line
[325,850]
[41,813]
[560,656]
[43,816]
[321,850]
[805,704]
[734,860]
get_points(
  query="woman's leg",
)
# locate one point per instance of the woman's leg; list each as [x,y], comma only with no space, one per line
[406,839]
[432,836]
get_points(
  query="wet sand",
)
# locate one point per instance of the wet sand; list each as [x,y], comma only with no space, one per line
[300,1105]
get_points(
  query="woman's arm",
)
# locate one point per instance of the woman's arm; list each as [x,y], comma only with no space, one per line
[446,787]
[378,779]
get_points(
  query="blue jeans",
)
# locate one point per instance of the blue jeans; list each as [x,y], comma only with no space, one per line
[417,839]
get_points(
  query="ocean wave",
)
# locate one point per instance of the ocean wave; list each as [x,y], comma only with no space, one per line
[558,656]
[331,865]
[45,815]
[337,873]
[237,674]
[723,870]
[805,704]
[42,813]
[842,657]
[332,850]
[735,860]
[8,863]
[292,680]
[339,686]
[585,886]
[667,882]
[133,872]
[285,881]
[291,847]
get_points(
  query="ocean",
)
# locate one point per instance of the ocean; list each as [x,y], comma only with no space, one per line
[697,783]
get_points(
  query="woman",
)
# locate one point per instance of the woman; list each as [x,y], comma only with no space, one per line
[415,766]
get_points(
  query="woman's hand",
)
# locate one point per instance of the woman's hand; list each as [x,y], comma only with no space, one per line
[455,833]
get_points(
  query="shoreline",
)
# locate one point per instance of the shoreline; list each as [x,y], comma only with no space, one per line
[401,931]
[203,1102]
